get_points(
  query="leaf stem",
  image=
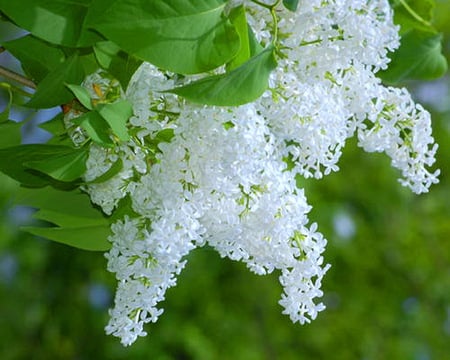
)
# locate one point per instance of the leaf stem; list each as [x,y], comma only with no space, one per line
[414,14]
[271,8]
[11,75]
[16,89]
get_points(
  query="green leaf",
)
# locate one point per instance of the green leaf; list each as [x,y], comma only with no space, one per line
[239,20]
[164,135]
[82,94]
[91,238]
[61,22]
[117,115]
[242,85]
[118,63]
[88,60]
[10,134]
[74,203]
[96,127]
[417,14]
[419,57]
[58,129]
[183,36]
[52,90]
[4,115]
[13,159]
[113,170]
[291,4]
[255,46]
[105,51]
[125,208]
[77,222]
[55,126]
[63,167]
[36,56]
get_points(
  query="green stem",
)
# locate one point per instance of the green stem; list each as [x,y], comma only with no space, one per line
[16,89]
[11,75]
[271,8]
[414,14]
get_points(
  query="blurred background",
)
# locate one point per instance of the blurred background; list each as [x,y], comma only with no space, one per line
[387,293]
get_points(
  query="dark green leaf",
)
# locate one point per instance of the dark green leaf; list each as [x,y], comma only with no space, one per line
[88,61]
[57,128]
[125,208]
[77,222]
[63,167]
[12,160]
[82,95]
[291,4]
[57,21]
[183,36]
[242,85]
[96,127]
[52,90]
[37,57]
[419,57]
[164,135]
[117,115]
[10,134]
[4,115]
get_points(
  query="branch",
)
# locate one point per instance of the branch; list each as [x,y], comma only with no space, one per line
[16,77]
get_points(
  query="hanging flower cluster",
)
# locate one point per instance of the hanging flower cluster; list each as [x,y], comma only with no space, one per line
[226,176]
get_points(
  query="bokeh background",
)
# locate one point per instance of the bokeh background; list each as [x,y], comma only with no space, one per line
[387,293]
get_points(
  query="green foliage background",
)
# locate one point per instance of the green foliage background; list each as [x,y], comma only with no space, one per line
[387,293]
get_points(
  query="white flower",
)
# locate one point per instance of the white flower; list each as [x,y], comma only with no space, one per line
[226,177]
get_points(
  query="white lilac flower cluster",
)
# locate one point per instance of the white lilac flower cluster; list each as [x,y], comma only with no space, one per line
[197,175]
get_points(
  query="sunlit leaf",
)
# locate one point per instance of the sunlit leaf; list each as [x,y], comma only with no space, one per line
[96,127]
[239,20]
[118,63]
[417,15]
[58,21]
[92,238]
[242,85]
[81,94]
[117,115]
[183,36]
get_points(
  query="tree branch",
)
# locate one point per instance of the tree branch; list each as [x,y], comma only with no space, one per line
[16,77]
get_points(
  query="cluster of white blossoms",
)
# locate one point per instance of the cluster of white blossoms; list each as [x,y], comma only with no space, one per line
[196,175]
